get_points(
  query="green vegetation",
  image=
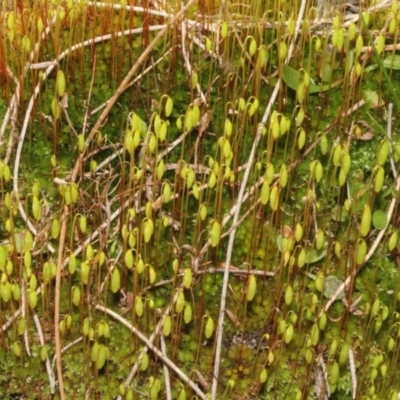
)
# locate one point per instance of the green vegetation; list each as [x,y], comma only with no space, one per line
[199,200]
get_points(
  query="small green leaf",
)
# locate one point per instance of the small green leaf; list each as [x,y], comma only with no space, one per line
[379,219]
[392,61]
[292,78]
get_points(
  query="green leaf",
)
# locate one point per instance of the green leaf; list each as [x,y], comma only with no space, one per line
[292,78]
[392,61]
[313,255]
[332,283]
[379,219]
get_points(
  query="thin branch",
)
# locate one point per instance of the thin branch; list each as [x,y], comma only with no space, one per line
[154,349]
[42,343]
[166,370]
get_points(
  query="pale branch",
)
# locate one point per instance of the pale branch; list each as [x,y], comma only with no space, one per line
[220,329]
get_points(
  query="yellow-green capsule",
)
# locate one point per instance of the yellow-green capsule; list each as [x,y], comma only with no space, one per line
[309,356]
[344,353]
[289,333]
[139,308]
[33,282]
[338,249]
[76,295]
[32,298]
[342,178]
[252,46]
[224,30]
[187,313]
[274,198]
[262,57]
[144,362]
[167,325]
[352,30]
[94,351]
[298,232]
[334,373]
[269,173]
[380,44]
[282,50]
[203,212]
[379,178]
[281,326]
[318,44]
[301,141]
[72,263]
[376,305]
[43,353]
[264,193]
[359,44]
[319,171]
[322,321]
[333,347]
[366,218]
[360,251]
[383,152]
[319,239]
[263,375]
[323,145]
[55,228]
[392,24]
[81,142]
[345,162]
[391,344]
[152,143]
[314,336]
[212,180]
[283,176]
[337,154]
[169,105]
[300,117]
[284,125]
[9,267]
[251,288]
[187,278]
[166,192]
[301,258]
[27,259]
[140,265]
[148,229]
[254,103]
[129,259]
[85,272]
[394,238]
[288,295]
[152,274]
[320,282]
[21,326]
[228,127]
[209,329]
[82,223]
[16,291]
[89,252]
[86,326]
[300,93]
[36,208]
[180,302]
[17,348]
[215,233]
[60,82]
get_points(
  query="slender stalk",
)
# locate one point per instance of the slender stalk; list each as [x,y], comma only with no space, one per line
[219,332]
